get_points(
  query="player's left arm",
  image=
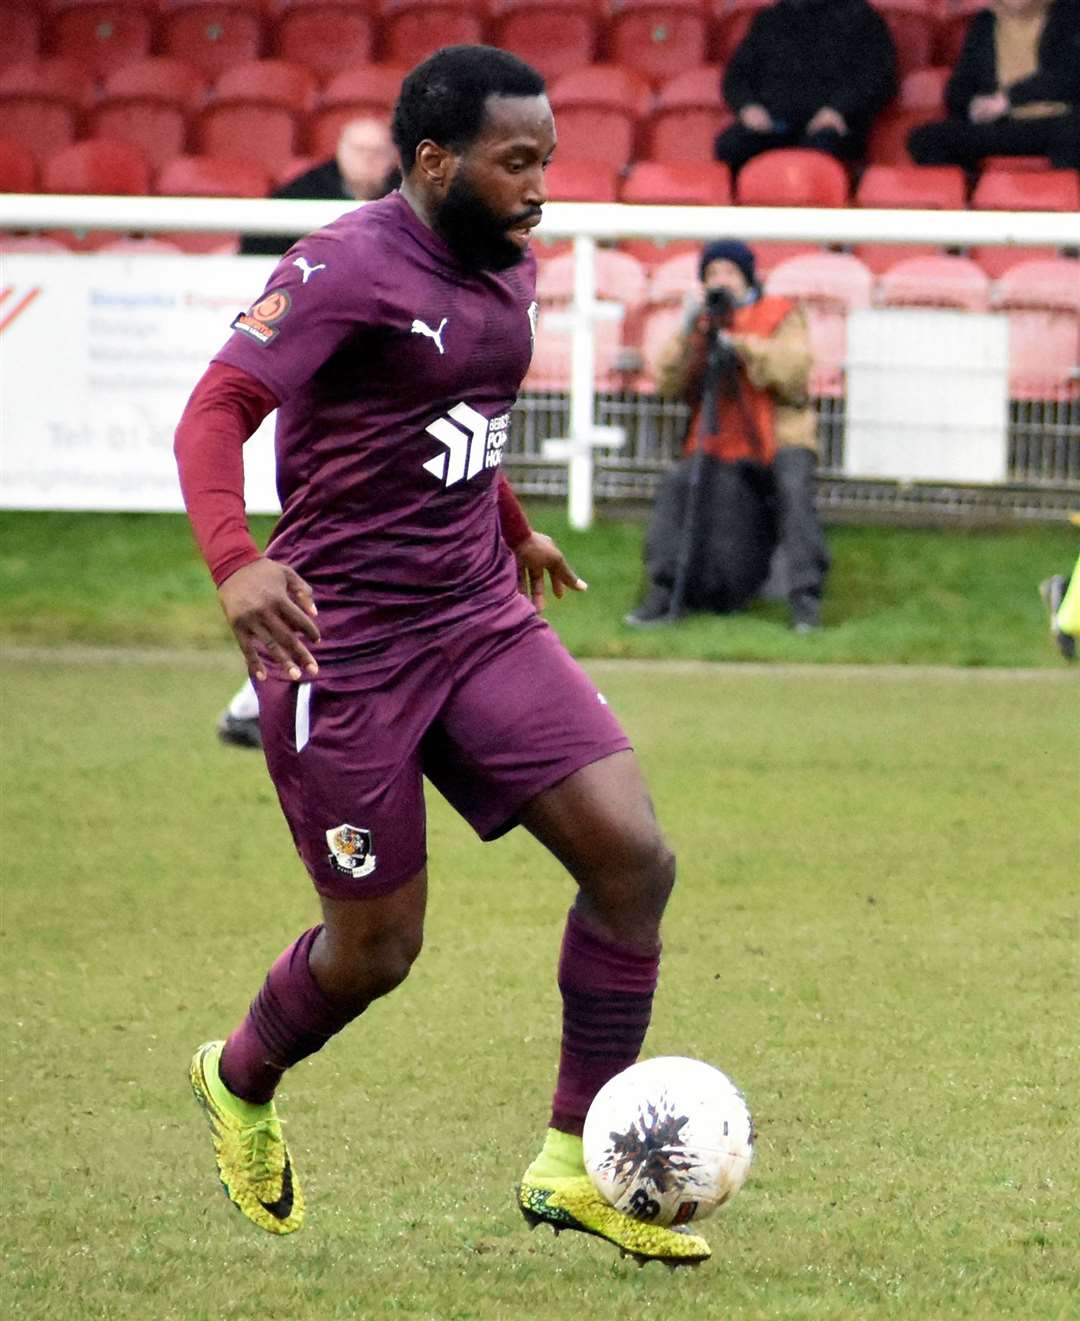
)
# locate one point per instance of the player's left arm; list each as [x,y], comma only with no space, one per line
[536,554]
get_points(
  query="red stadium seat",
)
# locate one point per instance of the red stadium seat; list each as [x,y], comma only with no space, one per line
[267,134]
[657,38]
[212,36]
[327,37]
[581,181]
[129,246]
[924,89]
[414,29]
[619,277]
[159,78]
[368,89]
[912,25]
[597,110]
[57,76]
[35,243]
[260,104]
[792,176]
[607,85]
[768,254]
[888,138]
[102,36]
[1042,301]
[209,176]
[880,257]
[930,186]
[659,325]
[935,281]
[212,176]
[1015,164]
[267,82]
[1025,190]
[952,28]
[294,166]
[678,183]
[158,128]
[828,285]
[97,166]
[651,252]
[675,277]
[41,103]
[731,22]
[551,360]
[18,168]
[552,40]
[22,37]
[687,118]
[996,259]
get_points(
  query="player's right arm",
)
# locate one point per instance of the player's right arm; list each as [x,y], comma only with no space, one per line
[267,604]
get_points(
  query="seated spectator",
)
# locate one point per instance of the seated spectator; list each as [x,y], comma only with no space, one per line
[1015,90]
[808,73]
[760,441]
[364,167]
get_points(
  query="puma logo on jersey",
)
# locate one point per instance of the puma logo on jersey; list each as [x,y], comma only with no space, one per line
[419,328]
[308,271]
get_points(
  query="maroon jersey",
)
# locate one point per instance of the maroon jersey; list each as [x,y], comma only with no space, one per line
[395,369]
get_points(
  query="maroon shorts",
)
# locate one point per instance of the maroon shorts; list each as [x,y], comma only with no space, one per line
[493,714]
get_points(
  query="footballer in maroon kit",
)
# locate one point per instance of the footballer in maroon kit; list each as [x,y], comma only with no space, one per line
[389,637]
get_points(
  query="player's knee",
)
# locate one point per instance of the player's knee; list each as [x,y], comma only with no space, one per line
[357,975]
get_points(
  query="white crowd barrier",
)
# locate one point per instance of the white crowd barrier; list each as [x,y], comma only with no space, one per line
[98,352]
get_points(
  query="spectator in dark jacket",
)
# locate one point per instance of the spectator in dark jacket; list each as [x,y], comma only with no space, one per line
[808,73]
[1015,90]
[363,167]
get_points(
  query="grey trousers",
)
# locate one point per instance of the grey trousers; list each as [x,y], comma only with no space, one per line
[801,543]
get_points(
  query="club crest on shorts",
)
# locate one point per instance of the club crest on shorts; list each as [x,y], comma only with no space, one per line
[350,850]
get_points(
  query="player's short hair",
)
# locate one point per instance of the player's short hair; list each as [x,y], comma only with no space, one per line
[445,98]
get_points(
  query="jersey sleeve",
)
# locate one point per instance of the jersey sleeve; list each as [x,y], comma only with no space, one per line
[317,298]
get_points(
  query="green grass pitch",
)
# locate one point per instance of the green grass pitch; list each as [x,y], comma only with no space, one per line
[874,932]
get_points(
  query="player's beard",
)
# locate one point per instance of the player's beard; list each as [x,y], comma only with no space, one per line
[477,235]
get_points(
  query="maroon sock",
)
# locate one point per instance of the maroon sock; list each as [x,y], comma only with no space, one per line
[607,990]
[288,1020]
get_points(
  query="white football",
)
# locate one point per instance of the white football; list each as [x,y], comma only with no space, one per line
[668,1140]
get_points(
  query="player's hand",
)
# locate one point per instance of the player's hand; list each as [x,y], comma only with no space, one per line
[269,603]
[538,555]
[827,118]
[756,118]
[985,109]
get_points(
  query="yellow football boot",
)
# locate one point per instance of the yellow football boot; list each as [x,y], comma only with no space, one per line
[555,1190]
[252,1158]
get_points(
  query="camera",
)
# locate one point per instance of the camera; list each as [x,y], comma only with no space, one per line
[720,305]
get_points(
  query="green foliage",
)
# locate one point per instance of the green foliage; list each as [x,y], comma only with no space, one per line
[895,595]
[874,931]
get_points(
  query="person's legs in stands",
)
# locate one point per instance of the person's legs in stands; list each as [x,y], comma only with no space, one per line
[738,144]
[1063,141]
[959,142]
[800,534]
[843,147]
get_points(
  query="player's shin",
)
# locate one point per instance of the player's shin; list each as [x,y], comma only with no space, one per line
[288,1020]
[607,991]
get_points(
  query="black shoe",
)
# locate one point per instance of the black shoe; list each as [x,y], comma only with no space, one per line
[805,613]
[240,731]
[1052,592]
[655,609]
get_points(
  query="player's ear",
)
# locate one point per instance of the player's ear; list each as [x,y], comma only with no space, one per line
[435,164]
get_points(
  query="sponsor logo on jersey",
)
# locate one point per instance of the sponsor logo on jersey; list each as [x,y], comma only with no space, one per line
[350,850]
[473,443]
[260,320]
